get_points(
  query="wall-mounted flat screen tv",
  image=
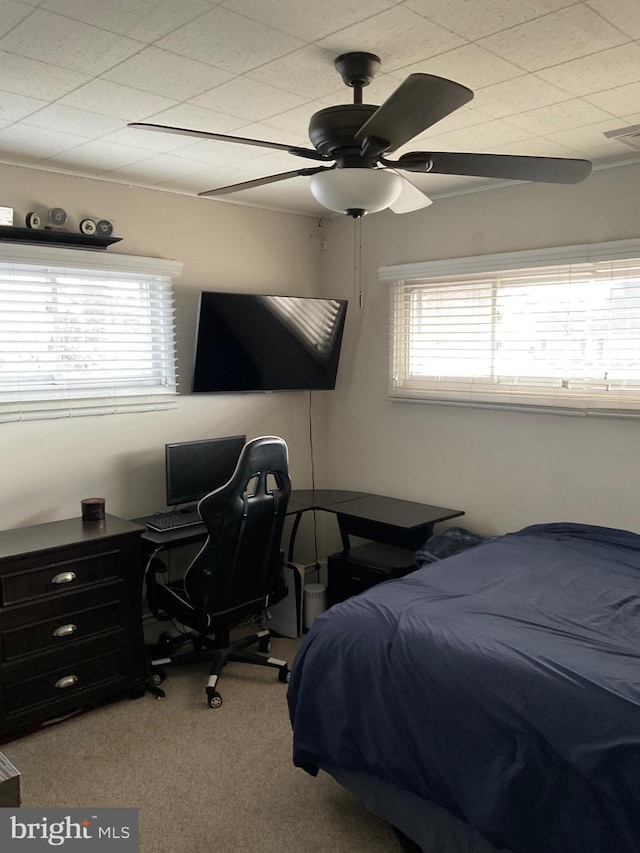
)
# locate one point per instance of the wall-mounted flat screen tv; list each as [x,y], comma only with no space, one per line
[254,342]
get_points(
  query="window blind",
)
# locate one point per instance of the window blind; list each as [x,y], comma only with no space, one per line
[82,333]
[555,330]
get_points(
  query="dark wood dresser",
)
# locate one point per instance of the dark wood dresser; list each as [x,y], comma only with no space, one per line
[70,618]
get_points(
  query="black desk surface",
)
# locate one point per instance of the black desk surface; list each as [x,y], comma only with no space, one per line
[392,511]
[369,507]
[361,506]
[303,499]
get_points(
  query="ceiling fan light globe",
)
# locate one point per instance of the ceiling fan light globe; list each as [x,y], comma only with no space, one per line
[346,190]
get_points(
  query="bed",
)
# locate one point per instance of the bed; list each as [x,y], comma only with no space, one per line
[490,700]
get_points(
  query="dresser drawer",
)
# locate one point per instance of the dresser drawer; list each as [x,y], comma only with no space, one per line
[82,617]
[65,682]
[60,576]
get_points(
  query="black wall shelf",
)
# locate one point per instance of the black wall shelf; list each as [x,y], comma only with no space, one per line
[55,238]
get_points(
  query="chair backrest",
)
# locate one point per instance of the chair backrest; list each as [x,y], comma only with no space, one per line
[240,565]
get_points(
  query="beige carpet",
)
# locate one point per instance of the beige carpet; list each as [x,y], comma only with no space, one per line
[204,779]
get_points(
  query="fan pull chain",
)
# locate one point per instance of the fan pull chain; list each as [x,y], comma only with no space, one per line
[357,262]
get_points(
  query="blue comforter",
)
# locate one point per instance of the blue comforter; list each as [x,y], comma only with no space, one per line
[502,683]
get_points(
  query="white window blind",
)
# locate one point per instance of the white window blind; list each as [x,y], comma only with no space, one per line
[554,330]
[84,333]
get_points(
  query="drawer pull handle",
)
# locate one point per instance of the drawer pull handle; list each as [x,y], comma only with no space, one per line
[64,577]
[65,630]
[67,681]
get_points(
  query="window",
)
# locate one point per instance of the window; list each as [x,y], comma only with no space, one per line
[551,330]
[84,333]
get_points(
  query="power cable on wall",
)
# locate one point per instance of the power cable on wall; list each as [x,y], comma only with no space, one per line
[313,480]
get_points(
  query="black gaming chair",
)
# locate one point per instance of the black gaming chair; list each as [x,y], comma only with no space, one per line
[237,573]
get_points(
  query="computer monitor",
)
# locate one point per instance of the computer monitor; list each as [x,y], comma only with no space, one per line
[195,468]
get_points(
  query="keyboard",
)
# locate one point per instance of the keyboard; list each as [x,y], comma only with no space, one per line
[162,522]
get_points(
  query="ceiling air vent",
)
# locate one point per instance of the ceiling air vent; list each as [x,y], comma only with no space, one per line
[627,135]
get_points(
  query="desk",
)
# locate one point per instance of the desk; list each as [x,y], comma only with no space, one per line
[404,524]
[392,521]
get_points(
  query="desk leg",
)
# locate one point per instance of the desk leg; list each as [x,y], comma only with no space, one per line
[344,533]
[292,538]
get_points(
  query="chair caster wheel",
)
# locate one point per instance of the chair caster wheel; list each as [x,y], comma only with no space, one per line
[157,676]
[214,699]
[264,645]
[283,674]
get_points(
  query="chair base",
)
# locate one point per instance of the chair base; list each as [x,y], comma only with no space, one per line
[218,651]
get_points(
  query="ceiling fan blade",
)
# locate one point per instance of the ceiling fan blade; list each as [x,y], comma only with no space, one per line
[239,140]
[554,170]
[419,102]
[261,182]
[411,198]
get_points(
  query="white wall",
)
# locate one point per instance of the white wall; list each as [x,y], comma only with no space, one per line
[48,466]
[505,469]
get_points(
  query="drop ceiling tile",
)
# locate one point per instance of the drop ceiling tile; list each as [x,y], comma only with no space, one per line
[98,156]
[512,96]
[538,147]
[278,162]
[480,138]
[145,20]
[196,118]
[557,117]
[459,120]
[624,14]
[617,102]
[154,143]
[380,88]
[309,20]
[248,99]
[14,107]
[212,177]
[72,120]
[67,44]
[156,170]
[12,13]
[200,181]
[589,138]
[309,72]
[163,73]
[22,143]
[112,99]
[37,79]
[470,65]
[559,37]
[229,41]
[398,36]
[220,153]
[478,19]
[265,130]
[292,123]
[605,70]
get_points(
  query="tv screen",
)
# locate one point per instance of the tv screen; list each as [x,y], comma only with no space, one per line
[195,468]
[253,342]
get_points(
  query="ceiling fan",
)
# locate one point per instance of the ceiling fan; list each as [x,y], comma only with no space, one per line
[355,139]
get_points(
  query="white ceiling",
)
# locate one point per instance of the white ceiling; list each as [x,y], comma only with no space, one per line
[549,76]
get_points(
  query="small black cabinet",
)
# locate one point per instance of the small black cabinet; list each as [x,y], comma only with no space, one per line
[352,571]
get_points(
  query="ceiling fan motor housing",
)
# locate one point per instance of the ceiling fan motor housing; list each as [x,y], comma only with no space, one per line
[332,132]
